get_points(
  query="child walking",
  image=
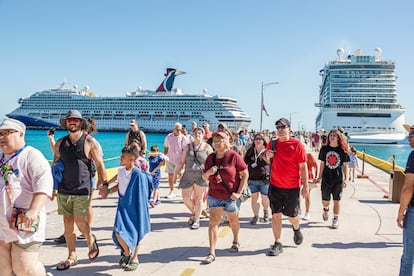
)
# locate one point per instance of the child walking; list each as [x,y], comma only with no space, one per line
[156,160]
[352,164]
[132,220]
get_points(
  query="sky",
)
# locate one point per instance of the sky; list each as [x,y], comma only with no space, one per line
[227,47]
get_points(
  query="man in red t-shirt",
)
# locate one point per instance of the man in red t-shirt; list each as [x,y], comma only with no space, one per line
[288,173]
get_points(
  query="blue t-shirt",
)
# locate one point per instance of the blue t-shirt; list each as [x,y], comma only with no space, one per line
[154,161]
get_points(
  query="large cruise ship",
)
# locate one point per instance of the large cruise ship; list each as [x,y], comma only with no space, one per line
[358,93]
[156,111]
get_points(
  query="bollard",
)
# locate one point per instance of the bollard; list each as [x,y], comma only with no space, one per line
[363,166]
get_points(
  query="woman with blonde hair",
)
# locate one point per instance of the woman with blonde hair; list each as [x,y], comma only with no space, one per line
[227,176]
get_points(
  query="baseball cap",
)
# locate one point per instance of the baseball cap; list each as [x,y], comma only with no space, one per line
[13,124]
[72,114]
[284,121]
[221,134]
[133,123]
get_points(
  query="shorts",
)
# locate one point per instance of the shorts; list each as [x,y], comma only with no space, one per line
[33,246]
[229,205]
[191,177]
[258,186]
[284,201]
[331,189]
[73,204]
[156,180]
[170,167]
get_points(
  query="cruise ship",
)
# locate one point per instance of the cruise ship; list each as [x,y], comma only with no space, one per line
[155,111]
[358,93]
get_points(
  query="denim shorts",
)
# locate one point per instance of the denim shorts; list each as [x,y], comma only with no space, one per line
[258,186]
[229,205]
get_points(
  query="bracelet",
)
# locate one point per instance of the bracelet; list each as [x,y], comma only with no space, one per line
[105,184]
[110,191]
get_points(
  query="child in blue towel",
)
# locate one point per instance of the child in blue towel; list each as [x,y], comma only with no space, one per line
[132,220]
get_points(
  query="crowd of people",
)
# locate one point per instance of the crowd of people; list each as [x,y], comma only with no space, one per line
[213,169]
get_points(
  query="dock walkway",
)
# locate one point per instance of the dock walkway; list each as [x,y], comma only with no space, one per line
[367,242]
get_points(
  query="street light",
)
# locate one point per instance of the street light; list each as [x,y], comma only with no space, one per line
[261,101]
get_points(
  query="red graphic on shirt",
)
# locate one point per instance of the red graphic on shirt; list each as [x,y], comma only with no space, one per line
[332,160]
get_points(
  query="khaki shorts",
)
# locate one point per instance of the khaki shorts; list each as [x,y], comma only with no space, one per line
[73,204]
[29,247]
[170,167]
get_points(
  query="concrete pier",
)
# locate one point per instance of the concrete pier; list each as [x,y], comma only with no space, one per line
[367,242]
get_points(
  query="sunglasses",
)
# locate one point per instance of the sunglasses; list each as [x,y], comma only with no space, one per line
[75,120]
[258,139]
[5,133]
[281,127]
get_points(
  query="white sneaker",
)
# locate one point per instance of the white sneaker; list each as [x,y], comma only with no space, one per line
[335,223]
[306,217]
[325,215]
[171,195]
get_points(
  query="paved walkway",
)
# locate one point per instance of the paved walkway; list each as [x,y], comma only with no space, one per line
[368,241]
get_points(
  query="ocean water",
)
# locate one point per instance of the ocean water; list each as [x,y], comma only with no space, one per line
[112,143]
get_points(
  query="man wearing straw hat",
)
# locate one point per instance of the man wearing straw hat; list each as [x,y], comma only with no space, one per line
[405,218]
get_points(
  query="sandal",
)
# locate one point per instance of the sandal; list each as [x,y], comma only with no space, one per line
[132,266]
[123,262]
[235,247]
[71,261]
[209,259]
[191,220]
[94,252]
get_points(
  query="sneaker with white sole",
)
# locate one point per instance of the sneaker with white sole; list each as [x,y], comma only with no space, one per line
[171,195]
[306,217]
[335,223]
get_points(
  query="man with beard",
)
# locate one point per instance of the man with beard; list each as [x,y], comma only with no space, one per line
[76,151]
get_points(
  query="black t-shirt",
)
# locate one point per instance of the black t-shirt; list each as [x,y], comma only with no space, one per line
[409,168]
[257,168]
[333,157]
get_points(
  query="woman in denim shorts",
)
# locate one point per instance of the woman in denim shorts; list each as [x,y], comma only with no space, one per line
[227,175]
[258,177]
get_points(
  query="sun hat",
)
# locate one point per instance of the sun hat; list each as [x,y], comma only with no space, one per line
[72,114]
[13,124]
[178,126]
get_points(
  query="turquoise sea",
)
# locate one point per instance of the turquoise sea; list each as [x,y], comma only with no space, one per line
[112,143]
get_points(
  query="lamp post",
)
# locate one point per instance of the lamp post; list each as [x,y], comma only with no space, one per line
[290,117]
[261,101]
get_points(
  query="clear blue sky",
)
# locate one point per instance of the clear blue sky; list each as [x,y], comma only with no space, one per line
[227,47]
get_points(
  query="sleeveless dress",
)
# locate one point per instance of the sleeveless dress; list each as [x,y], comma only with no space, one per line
[194,165]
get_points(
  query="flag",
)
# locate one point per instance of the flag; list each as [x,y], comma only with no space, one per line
[264,109]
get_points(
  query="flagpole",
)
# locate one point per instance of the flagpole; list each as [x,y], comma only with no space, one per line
[261,101]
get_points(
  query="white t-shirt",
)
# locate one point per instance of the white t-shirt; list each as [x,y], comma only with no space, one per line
[33,175]
[124,176]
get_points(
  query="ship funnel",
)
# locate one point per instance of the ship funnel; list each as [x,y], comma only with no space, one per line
[377,53]
[358,52]
[340,52]
[168,82]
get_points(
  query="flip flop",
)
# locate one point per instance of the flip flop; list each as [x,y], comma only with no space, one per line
[69,262]
[94,252]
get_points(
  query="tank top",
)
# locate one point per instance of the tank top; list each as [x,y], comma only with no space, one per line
[76,176]
[196,157]
[132,135]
